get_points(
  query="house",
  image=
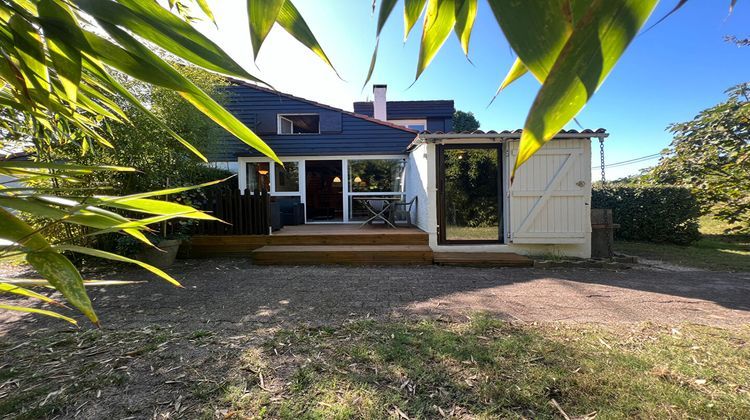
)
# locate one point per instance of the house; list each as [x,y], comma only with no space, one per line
[459,182]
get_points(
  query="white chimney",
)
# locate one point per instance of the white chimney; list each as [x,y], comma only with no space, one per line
[378,105]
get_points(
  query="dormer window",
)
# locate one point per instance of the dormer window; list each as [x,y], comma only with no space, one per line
[299,124]
[419,125]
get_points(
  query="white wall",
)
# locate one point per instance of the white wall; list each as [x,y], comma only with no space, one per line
[416,184]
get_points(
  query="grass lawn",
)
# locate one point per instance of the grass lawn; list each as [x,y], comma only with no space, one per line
[715,251]
[484,368]
[472,233]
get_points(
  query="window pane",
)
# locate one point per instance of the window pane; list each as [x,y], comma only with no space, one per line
[287,177]
[375,175]
[285,126]
[299,124]
[257,175]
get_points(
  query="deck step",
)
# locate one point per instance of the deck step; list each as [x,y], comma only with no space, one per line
[483,259]
[343,254]
[348,238]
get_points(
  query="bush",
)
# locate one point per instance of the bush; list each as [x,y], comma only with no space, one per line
[650,213]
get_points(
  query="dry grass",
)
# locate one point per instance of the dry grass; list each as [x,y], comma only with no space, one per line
[483,368]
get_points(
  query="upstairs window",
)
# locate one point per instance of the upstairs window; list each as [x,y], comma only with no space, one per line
[299,124]
[418,125]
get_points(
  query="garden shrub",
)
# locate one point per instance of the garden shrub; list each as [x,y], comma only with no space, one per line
[650,213]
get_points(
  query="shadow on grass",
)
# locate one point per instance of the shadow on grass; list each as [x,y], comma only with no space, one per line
[712,252]
[484,369]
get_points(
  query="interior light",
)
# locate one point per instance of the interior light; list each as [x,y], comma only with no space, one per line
[263,171]
[336,180]
[357,179]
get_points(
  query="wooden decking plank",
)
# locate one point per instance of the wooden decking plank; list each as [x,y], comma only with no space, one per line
[343,254]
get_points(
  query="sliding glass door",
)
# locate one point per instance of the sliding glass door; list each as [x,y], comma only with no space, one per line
[470,194]
[372,178]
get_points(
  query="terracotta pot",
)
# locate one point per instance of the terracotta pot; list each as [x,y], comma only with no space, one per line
[164,256]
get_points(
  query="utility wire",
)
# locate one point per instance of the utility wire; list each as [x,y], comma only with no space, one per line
[630,161]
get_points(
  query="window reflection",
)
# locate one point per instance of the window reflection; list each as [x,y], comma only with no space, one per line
[376,175]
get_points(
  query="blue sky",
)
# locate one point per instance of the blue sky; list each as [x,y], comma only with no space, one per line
[667,75]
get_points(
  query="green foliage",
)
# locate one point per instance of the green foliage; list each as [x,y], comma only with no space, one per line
[465,121]
[710,155]
[650,213]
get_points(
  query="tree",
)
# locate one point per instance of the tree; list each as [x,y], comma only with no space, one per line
[465,121]
[711,155]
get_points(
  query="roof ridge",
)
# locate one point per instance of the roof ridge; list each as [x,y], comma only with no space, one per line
[322,105]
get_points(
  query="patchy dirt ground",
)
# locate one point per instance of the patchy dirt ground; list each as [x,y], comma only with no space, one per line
[180,343]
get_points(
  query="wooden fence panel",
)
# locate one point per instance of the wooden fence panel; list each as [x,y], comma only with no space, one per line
[244,214]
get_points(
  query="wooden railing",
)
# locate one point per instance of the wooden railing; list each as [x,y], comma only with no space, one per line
[244,214]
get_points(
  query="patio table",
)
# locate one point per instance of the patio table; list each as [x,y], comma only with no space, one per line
[378,214]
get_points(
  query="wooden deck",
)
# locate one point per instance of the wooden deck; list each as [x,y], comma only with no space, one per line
[202,246]
[343,254]
[342,244]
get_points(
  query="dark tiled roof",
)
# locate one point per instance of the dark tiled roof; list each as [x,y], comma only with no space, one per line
[442,108]
[518,131]
[290,96]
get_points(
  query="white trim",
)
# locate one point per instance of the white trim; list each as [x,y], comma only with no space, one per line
[407,122]
[281,115]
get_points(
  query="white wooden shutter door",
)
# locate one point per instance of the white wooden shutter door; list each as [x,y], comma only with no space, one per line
[551,195]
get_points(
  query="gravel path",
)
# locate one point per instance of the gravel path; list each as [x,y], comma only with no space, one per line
[231,294]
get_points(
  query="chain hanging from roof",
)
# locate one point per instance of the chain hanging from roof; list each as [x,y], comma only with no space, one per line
[601,156]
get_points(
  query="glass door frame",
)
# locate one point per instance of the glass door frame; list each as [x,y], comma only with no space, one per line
[442,199]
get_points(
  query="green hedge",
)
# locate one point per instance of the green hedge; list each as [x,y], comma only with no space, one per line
[650,213]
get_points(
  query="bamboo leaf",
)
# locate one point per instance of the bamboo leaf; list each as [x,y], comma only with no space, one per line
[59,26]
[45,283]
[191,93]
[290,19]
[261,15]
[412,10]
[40,312]
[386,7]
[114,257]
[64,167]
[18,290]
[105,200]
[372,64]
[98,71]
[438,23]
[30,50]
[597,42]
[158,207]
[538,52]
[150,21]
[47,262]
[203,4]
[466,13]
[516,72]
